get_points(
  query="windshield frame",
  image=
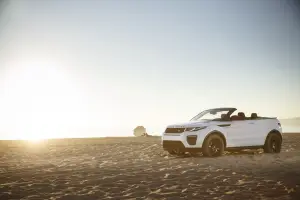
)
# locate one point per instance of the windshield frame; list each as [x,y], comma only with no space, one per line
[201,114]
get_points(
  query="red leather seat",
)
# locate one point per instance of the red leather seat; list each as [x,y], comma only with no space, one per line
[235,117]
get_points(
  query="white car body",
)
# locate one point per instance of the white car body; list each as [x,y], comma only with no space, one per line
[245,133]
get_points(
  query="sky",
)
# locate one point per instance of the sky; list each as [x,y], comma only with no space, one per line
[101,68]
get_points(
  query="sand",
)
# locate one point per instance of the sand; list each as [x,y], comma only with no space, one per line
[138,168]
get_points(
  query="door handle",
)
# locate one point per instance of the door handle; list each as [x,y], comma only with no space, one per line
[251,123]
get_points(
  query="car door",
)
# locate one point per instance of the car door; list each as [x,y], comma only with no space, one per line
[239,134]
[256,130]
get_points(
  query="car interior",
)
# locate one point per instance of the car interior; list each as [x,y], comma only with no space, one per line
[238,117]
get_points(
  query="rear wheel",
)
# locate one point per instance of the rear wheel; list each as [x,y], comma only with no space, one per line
[213,146]
[273,143]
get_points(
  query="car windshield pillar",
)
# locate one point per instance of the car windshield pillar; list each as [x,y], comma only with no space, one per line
[216,111]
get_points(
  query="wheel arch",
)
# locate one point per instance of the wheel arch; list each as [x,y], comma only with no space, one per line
[217,133]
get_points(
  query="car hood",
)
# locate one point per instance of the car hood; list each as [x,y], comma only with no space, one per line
[189,124]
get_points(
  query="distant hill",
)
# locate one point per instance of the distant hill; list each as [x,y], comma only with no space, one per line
[291,121]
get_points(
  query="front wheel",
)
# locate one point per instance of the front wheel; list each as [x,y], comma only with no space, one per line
[213,146]
[273,143]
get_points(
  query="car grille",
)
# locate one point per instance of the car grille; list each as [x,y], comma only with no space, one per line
[173,144]
[174,130]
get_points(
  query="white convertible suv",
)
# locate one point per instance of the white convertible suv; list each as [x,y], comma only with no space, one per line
[215,130]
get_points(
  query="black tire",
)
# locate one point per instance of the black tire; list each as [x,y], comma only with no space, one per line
[273,143]
[213,146]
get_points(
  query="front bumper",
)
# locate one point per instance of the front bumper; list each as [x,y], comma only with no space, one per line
[187,141]
[169,145]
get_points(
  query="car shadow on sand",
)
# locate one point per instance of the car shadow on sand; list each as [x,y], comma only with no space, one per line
[226,153]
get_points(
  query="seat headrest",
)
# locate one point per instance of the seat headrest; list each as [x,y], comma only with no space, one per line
[241,114]
[225,117]
[254,115]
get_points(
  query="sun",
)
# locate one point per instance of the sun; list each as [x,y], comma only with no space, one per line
[41,101]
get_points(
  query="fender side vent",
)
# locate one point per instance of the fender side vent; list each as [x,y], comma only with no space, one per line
[224,125]
[191,139]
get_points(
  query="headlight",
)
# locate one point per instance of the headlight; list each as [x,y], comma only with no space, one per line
[195,128]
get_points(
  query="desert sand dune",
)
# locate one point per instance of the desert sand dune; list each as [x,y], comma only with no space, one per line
[138,168]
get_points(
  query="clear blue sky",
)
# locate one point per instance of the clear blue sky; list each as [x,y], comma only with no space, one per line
[108,66]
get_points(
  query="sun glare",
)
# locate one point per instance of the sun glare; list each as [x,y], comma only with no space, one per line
[34,140]
[41,100]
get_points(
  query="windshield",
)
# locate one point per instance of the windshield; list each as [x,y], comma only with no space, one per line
[213,114]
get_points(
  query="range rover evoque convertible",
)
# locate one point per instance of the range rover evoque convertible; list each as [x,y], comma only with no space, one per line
[217,130]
